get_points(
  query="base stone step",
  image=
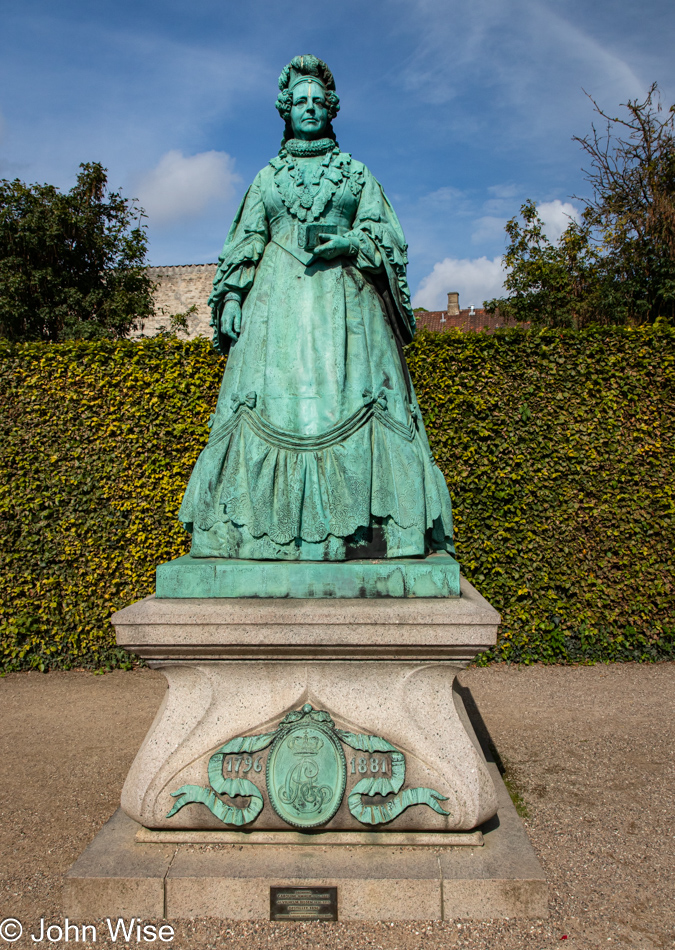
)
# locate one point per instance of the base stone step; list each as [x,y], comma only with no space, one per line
[120,875]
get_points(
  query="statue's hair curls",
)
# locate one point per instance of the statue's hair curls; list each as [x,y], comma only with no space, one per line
[306,65]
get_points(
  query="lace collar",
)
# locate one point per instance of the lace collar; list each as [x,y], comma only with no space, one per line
[299,148]
[306,188]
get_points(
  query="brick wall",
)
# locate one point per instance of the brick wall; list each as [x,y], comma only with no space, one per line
[179,287]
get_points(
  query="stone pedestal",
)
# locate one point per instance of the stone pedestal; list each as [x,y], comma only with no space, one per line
[310,742]
[380,668]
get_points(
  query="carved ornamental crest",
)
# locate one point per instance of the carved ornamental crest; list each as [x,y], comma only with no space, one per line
[306,775]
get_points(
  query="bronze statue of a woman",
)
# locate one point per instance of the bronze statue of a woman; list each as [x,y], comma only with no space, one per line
[317,448]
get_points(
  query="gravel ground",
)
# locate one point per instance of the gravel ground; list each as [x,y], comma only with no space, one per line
[589,749]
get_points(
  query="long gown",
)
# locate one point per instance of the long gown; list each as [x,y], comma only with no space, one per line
[317,450]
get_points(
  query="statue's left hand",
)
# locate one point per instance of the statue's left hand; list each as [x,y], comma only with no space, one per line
[331,247]
[230,319]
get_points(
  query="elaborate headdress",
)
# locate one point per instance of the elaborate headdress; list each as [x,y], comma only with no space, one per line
[301,68]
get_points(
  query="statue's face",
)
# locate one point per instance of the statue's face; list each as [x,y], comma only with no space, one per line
[309,116]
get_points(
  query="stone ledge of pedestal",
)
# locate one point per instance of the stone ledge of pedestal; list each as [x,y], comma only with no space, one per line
[454,629]
[117,876]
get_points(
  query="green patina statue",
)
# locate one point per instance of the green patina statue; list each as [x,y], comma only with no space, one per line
[317,448]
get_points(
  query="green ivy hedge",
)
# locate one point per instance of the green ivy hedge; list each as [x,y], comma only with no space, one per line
[558,448]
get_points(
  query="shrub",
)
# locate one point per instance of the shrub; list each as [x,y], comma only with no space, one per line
[557,447]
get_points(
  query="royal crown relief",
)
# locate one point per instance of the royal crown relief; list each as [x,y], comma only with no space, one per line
[306,774]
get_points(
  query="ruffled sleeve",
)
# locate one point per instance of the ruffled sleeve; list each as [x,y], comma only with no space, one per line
[382,248]
[239,258]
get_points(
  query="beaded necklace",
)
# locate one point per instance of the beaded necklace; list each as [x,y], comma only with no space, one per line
[300,148]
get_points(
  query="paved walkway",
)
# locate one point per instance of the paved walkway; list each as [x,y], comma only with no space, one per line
[590,749]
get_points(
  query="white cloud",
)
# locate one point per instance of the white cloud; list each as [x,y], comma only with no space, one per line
[537,55]
[556,216]
[504,191]
[488,228]
[183,186]
[443,196]
[502,202]
[476,280]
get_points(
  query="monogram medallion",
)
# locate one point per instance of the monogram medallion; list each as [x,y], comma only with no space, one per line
[306,772]
[306,775]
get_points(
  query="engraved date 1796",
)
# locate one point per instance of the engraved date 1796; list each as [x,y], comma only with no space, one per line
[244,762]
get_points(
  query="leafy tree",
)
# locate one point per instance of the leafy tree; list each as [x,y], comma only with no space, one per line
[562,284]
[617,265]
[632,175]
[72,265]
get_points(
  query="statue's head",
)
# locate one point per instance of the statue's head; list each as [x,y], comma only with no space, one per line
[307,101]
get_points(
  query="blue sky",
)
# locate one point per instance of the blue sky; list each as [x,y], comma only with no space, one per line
[462,110]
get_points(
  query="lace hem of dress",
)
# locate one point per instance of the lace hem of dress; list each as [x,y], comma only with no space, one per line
[289,494]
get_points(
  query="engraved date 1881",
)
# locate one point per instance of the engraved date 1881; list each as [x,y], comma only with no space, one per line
[373,763]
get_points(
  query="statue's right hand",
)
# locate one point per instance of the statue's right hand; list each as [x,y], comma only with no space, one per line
[230,319]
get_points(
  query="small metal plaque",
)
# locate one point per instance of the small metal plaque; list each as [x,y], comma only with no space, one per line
[303,903]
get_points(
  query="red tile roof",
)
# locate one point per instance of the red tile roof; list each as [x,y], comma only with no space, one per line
[476,322]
